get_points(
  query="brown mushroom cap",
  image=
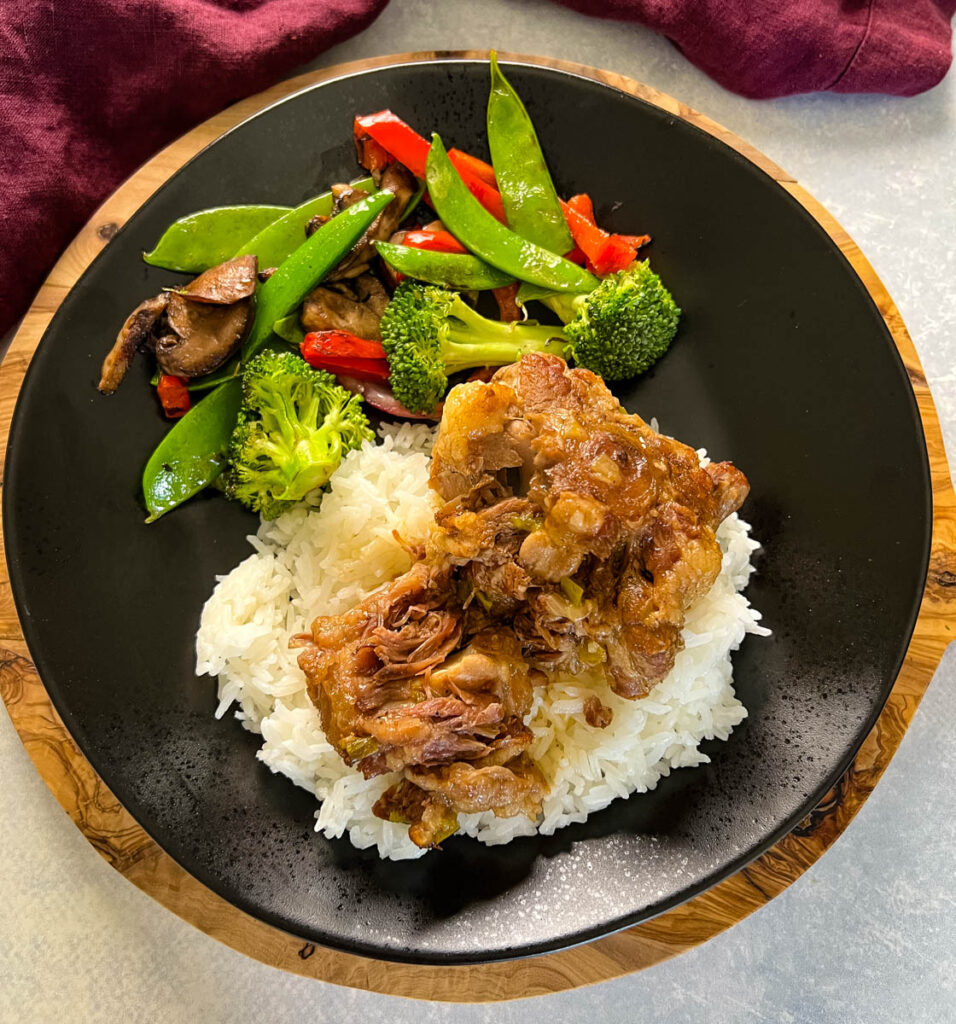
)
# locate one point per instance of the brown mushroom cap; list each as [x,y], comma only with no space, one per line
[203,335]
[355,306]
[133,335]
[224,284]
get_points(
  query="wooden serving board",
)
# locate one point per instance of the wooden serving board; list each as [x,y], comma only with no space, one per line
[118,838]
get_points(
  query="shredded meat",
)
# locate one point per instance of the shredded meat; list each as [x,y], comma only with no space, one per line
[571,536]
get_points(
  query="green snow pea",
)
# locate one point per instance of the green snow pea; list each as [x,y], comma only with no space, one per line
[299,273]
[190,456]
[283,236]
[530,200]
[478,230]
[210,237]
[451,269]
[290,330]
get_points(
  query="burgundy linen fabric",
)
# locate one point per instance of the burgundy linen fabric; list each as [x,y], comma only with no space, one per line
[89,89]
[767,48]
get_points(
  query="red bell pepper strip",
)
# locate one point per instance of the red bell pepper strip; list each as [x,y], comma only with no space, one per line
[465,162]
[636,240]
[435,241]
[369,153]
[406,146]
[361,369]
[400,141]
[342,353]
[582,204]
[606,253]
[173,395]
[340,345]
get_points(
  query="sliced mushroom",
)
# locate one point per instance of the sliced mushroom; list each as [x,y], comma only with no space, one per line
[224,284]
[403,185]
[203,335]
[134,334]
[355,306]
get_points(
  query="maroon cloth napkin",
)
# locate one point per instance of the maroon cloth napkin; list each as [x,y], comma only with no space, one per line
[767,48]
[89,89]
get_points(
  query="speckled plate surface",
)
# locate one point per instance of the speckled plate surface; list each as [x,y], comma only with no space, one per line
[783,365]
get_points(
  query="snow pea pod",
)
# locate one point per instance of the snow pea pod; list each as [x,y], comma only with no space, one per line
[290,329]
[477,229]
[299,273]
[527,191]
[282,237]
[190,456]
[451,269]
[210,237]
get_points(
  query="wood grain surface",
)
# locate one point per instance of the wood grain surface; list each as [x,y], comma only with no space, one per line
[120,840]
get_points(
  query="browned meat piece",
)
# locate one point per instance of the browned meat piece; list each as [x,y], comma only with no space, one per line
[136,333]
[518,788]
[625,511]
[429,799]
[430,816]
[596,714]
[202,336]
[403,185]
[482,432]
[355,306]
[388,690]
[229,282]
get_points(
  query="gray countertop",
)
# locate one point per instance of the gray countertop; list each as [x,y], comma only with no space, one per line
[866,934]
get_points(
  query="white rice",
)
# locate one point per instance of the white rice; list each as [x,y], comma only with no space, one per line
[323,561]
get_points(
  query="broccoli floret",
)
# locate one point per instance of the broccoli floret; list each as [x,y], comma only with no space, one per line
[295,425]
[622,327]
[429,333]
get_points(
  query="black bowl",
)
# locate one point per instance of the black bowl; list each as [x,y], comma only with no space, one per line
[783,364]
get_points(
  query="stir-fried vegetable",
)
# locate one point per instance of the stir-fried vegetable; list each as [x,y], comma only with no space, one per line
[508,242]
[202,240]
[173,395]
[405,145]
[295,425]
[453,270]
[527,192]
[470,223]
[278,240]
[192,454]
[305,268]
[429,333]
[606,253]
[342,353]
[622,327]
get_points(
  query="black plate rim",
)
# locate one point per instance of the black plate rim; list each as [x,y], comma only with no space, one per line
[584,936]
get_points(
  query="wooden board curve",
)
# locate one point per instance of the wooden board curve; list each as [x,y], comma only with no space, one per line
[120,840]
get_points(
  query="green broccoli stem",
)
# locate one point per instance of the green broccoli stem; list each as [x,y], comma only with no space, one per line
[565,306]
[475,340]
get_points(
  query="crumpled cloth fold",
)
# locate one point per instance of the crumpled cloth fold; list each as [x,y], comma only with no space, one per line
[90,89]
